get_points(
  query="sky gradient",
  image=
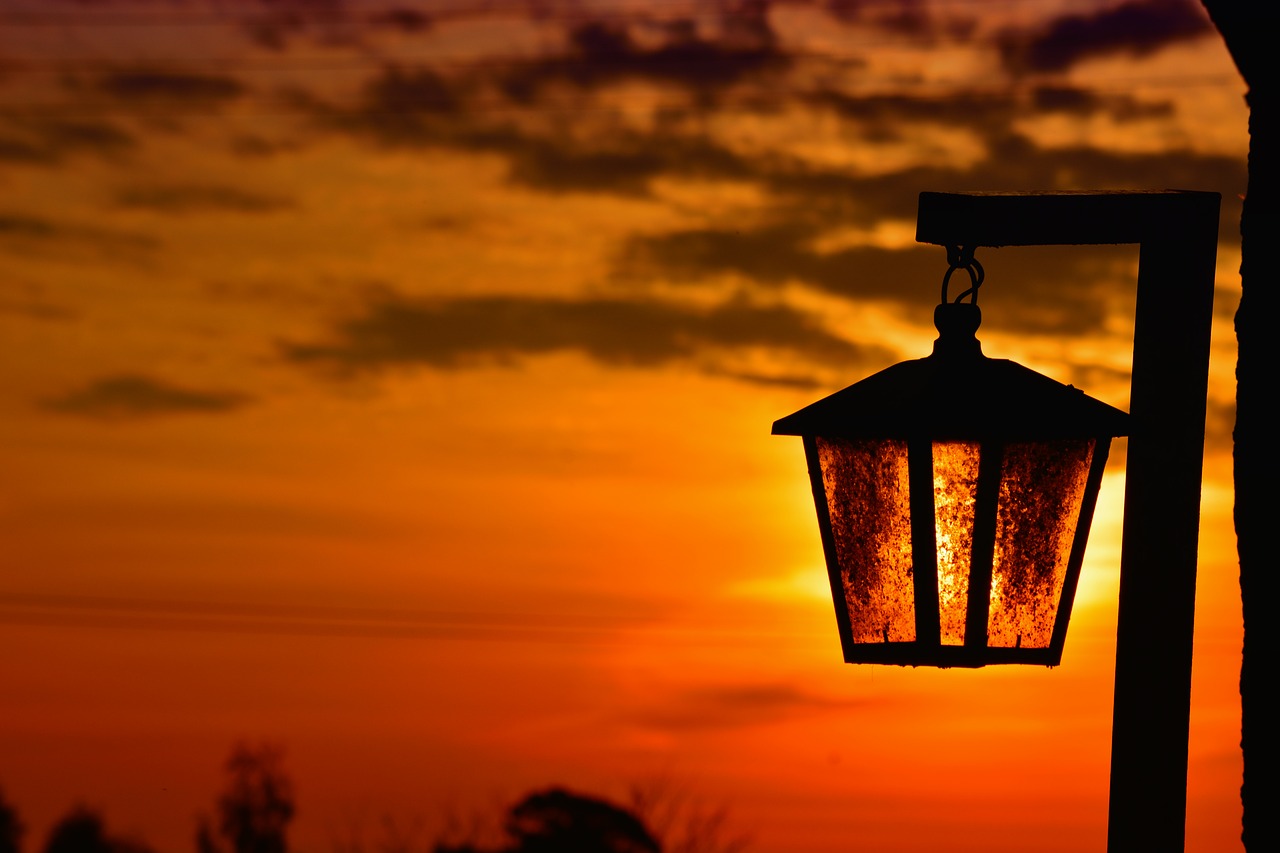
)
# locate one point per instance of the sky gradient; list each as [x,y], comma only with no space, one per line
[392,382]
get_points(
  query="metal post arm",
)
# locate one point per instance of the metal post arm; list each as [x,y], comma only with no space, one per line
[1177,234]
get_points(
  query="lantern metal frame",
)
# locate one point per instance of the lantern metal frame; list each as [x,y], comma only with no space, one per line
[955,395]
[1177,233]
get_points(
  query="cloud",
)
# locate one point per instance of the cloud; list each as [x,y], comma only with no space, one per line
[244,617]
[1136,28]
[18,225]
[422,108]
[46,141]
[450,334]
[738,705]
[23,234]
[155,85]
[918,19]
[796,381]
[403,106]
[132,396]
[734,63]
[278,21]
[1013,163]
[624,163]
[1059,290]
[1073,100]
[190,198]
[419,108]
[602,53]
[894,117]
[36,310]
[771,255]
[404,19]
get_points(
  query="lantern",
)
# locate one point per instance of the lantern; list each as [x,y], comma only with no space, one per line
[954,497]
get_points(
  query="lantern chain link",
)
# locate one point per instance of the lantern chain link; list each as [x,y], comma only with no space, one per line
[961,258]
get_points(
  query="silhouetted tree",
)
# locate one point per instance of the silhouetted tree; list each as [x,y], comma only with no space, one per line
[391,836]
[1246,27]
[559,821]
[10,828]
[79,832]
[83,831]
[205,840]
[255,810]
[684,822]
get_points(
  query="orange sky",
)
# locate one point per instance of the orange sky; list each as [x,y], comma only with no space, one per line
[392,381]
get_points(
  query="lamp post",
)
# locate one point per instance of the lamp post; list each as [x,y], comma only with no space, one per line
[954,493]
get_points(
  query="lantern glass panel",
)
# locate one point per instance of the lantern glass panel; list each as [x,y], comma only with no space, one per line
[1042,486]
[955,491]
[868,502]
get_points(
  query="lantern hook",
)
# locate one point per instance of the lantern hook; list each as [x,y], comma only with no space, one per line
[961,258]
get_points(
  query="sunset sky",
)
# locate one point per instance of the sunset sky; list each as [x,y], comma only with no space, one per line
[392,382]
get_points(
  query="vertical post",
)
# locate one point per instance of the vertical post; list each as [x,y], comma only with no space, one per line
[1152,711]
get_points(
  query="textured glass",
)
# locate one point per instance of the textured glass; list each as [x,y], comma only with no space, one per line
[955,490]
[867,497]
[1041,489]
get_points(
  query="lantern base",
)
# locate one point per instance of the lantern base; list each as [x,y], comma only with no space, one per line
[945,657]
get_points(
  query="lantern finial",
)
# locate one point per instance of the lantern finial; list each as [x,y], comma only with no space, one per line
[956,323]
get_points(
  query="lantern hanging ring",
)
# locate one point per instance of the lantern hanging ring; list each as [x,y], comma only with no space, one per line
[961,258]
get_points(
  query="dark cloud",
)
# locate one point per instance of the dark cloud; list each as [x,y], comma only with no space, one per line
[738,705]
[76,135]
[17,225]
[603,53]
[398,332]
[22,233]
[191,198]
[797,381]
[504,110]
[771,255]
[1054,289]
[411,97]
[403,19]
[47,141]
[253,146]
[1074,100]
[1136,28]
[916,19]
[20,150]
[36,309]
[1013,164]
[273,24]
[167,86]
[131,396]
[624,163]
[809,200]
[422,106]
[892,118]
[421,109]
[273,30]
[601,625]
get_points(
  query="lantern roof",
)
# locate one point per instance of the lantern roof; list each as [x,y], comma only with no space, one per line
[957,393]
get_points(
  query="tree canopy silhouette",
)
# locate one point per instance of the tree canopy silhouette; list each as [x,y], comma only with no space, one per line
[10,828]
[255,809]
[559,821]
[83,831]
